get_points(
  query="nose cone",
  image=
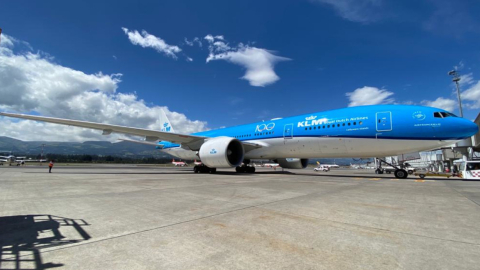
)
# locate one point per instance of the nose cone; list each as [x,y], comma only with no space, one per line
[473,128]
[467,128]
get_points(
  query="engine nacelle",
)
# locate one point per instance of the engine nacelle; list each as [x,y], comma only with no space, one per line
[293,163]
[222,152]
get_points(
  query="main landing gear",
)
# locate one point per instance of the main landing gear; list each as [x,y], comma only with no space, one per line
[245,169]
[203,169]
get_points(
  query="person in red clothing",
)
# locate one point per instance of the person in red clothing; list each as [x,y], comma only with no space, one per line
[50,166]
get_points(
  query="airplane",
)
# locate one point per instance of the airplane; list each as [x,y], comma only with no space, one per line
[361,132]
[197,162]
[357,166]
[270,165]
[331,166]
[11,159]
[179,163]
[24,159]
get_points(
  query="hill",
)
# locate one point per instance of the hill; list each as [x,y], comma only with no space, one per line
[127,149]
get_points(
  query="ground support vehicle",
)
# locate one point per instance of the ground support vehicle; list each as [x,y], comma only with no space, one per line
[422,174]
[469,170]
[321,169]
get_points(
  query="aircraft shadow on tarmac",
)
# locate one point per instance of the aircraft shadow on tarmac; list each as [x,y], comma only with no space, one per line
[177,172]
[23,237]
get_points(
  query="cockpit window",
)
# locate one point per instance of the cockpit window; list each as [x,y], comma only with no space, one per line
[443,114]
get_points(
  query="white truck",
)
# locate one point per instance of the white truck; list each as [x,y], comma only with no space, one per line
[469,169]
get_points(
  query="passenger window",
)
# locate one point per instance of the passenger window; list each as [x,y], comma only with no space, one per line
[349,124]
[310,128]
[338,125]
[354,123]
[360,123]
[328,126]
[343,124]
[306,128]
[323,126]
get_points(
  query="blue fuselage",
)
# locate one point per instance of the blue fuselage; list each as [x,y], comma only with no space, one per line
[394,122]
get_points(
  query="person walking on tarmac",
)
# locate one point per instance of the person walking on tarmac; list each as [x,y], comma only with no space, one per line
[50,166]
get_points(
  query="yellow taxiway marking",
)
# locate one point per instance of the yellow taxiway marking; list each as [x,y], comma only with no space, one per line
[394,179]
[374,179]
[420,181]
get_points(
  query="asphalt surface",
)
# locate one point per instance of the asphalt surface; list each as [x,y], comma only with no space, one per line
[143,217]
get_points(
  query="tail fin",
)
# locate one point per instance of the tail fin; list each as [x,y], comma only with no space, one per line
[166,125]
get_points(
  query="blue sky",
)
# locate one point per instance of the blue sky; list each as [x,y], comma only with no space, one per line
[283,57]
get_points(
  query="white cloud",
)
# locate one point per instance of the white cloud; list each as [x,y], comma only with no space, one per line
[363,11]
[442,103]
[189,59]
[466,80]
[189,43]
[31,82]
[259,63]
[472,94]
[7,41]
[147,40]
[209,38]
[368,95]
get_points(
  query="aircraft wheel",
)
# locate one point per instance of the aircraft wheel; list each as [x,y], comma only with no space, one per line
[238,169]
[401,174]
[410,172]
[212,170]
[195,169]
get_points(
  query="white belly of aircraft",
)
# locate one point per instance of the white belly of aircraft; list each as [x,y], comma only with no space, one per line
[327,147]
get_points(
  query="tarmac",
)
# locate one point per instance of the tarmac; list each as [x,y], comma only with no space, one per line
[144,217]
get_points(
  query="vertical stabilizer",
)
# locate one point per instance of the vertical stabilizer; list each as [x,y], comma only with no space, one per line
[166,125]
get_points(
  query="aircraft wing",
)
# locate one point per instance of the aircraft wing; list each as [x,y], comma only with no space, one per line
[141,142]
[150,135]
[191,141]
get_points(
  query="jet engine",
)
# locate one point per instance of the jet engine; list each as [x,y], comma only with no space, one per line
[293,163]
[222,152]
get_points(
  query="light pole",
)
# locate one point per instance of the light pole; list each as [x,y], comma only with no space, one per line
[456,79]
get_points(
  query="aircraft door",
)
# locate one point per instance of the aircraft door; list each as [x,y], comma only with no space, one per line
[288,131]
[384,121]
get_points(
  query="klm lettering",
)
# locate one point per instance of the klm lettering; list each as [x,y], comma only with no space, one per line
[311,123]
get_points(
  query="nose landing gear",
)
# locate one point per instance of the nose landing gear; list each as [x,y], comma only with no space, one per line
[401,174]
